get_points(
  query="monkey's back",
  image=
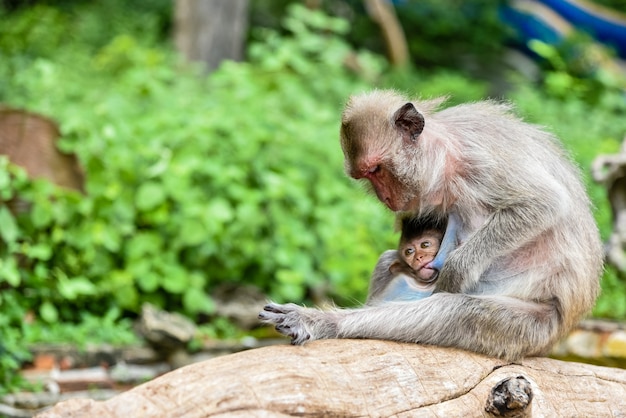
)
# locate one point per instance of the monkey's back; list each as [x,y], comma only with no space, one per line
[520,164]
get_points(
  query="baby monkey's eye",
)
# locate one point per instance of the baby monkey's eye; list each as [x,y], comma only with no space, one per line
[409,251]
[425,244]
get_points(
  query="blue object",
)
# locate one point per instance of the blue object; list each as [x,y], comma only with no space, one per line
[530,26]
[605,25]
[543,20]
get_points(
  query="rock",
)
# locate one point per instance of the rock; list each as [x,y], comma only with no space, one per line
[239,303]
[165,330]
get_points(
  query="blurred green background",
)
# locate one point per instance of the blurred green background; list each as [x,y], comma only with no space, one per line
[195,178]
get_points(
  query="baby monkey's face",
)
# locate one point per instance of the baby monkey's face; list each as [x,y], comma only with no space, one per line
[421,249]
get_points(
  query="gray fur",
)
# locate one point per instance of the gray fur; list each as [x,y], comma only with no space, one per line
[530,260]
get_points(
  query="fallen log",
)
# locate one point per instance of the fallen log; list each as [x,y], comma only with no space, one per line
[350,378]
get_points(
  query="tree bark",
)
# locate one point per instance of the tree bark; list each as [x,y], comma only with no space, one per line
[350,378]
[383,13]
[211,31]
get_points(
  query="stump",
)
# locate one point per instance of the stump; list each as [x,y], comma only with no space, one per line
[30,141]
[350,378]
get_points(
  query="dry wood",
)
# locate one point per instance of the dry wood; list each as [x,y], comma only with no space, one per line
[363,378]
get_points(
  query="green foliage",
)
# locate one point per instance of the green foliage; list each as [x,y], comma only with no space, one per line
[444,33]
[582,69]
[13,351]
[109,328]
[192,181]
[612,302]
[459,34]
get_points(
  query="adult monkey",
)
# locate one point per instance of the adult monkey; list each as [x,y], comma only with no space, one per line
[530,260]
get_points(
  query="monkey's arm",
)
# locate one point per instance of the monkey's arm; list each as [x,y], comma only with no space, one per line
[450,242]
[382,276]
[504,231]
[500,326]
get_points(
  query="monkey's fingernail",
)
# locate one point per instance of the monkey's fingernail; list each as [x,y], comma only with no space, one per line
[272,308]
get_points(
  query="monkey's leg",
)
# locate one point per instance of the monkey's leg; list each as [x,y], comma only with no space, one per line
[498,326]
[449,242]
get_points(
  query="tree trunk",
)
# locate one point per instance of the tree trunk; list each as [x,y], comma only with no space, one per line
[350,378]
[383,13]
[211,31]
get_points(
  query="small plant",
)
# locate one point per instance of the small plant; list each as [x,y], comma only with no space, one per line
[580,68]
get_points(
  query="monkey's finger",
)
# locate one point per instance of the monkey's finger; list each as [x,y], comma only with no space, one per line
[285,330]
[299,340]
[274,307]
[298,337]
[275,318]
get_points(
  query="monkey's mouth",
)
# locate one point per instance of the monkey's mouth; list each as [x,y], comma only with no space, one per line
[427,275]
[426,271]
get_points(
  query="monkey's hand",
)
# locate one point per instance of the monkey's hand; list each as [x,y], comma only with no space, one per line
[301,324]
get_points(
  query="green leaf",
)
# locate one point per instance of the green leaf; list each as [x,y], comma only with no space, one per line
[39,251]
[48,312]
[197,301]
[143,244]
[127,297]
[8,228]
[9,271]
[148,282]
[75,287]
[220,210]
[192,232]
[5,179]
[42,214]
[150,195]
[175,279]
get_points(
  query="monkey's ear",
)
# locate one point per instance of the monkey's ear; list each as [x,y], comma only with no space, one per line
[409,121]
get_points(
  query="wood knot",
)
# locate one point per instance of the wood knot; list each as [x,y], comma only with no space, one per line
[510,397]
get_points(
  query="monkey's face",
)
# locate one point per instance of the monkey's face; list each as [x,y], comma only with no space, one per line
[373,139]
[422,249]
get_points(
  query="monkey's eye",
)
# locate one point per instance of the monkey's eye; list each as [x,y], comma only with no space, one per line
[425,244]
[409,251]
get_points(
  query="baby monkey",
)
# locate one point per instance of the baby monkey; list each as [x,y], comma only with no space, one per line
[408,273]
